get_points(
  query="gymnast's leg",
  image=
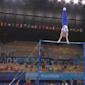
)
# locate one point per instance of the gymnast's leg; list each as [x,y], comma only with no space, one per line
[61,36]
[67,40]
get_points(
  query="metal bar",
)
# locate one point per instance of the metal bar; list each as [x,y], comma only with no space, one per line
[84,61]
[39,62]
[49,41]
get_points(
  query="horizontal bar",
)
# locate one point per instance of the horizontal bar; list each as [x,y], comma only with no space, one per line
[49,41]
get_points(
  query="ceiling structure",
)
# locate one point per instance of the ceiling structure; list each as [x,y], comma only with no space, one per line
[43,11]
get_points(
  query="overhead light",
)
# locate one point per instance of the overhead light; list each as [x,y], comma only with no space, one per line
[75,1]
[67,1]
[83,2]
[59,0]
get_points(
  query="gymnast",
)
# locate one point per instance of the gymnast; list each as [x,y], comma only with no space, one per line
[64,30]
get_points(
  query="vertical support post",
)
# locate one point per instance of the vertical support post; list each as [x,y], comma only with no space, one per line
[84,60]
[39,62]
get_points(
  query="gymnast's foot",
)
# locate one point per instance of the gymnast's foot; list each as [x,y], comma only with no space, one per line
[67,41]
[58,41]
